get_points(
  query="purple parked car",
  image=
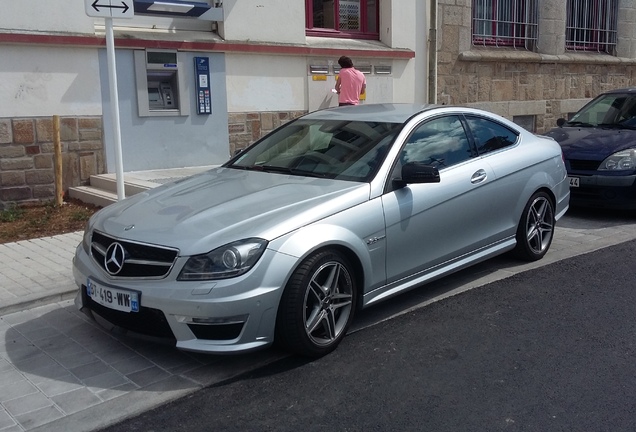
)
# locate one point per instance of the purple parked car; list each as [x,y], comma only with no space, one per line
[599,145]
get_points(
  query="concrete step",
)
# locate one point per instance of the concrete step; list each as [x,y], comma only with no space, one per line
[92,195]
[103,187]
[108,182]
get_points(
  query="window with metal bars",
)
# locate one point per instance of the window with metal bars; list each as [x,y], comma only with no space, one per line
[510,23]
[356,19]
[591,25]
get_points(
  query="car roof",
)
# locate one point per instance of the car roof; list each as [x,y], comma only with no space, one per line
[389,113]
[622,90]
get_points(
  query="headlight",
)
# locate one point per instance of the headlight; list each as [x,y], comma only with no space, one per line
[228,261]
[86,238]
[622,160]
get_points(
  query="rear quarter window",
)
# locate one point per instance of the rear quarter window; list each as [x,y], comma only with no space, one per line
[490,136]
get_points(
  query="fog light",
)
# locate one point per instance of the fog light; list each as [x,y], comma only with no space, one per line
[238,319]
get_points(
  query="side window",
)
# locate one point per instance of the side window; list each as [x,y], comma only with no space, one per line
[440,142]
[490,136]
[356,19]
[592,25]
[505,23]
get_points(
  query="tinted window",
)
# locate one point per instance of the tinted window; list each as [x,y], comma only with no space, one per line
[490,136]
[610,109]
[338,149]
[440,142]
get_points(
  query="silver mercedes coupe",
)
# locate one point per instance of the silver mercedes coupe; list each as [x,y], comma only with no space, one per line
[332,212]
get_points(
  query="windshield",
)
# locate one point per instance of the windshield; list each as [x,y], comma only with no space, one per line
[344,150]
[610,110]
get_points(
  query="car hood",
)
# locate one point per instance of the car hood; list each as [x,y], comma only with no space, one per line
[592,143]
[208,210]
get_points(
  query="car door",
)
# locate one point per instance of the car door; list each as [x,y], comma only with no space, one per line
[429,224]
[497,146]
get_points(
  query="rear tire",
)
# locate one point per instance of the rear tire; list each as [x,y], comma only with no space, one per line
[536,228]
[317,305]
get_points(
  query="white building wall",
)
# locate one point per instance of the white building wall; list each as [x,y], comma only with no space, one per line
[280,83]
[67,80]
[265,83]
[45,81]
[280,21]
[45,15]
[403,25]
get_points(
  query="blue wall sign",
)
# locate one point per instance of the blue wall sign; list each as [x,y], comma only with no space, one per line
[202,70]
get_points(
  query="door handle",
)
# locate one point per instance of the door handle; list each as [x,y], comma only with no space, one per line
[478,177]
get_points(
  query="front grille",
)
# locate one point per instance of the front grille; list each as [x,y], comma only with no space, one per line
[217,331]
[148,321]
[584,165]
[140,260]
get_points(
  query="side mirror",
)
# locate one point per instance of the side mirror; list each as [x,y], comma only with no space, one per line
[561,122]
[415,173]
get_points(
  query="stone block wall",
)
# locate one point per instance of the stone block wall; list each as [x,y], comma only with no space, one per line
[547,84]
[245,128]
[499,86]
[27,156]
[509,87]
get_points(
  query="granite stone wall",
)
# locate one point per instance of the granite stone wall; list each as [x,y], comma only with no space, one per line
[245,128]
[27,156]
[547,82]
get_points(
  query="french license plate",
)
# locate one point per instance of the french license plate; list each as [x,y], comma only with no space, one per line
[113,298]
[574,181]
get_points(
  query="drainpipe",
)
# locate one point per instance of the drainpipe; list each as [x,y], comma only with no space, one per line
[432,55]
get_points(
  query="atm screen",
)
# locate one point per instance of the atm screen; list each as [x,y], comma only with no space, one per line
[154,95]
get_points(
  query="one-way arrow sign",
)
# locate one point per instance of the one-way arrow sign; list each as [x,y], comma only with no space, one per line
[109,8]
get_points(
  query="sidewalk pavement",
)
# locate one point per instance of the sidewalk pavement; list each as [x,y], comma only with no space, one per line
[37,272]
[60,372]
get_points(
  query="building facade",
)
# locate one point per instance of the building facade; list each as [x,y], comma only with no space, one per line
[534,61]
[266,63]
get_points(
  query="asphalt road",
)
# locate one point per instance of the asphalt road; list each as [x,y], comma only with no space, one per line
[550,349]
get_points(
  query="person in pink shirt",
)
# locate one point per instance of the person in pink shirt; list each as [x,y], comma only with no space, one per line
[350,83]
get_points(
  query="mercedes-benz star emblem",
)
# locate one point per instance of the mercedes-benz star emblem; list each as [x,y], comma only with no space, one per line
[114,259]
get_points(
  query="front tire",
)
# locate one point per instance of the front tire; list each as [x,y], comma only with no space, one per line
[536,228]
[317,305]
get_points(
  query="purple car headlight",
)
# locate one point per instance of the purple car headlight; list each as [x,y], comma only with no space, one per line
[620,161]
[231,260]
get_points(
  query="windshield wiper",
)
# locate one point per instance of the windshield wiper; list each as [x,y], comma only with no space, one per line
[268,168]
[275,168]
[290,171]
[579,123]
[616,126]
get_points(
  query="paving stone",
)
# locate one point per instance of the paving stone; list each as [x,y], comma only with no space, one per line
[26,404]
[75,359]
[148,376]
[76,400]
[131,365]
[56,386]
[37,362]
[112,393]
[16,389]
[5,420]
[88,370]
[39,417]
[46,332]
[37,376]
[107,380]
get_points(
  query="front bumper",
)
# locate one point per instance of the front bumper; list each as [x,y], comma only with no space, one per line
[617,192]
[225,316]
